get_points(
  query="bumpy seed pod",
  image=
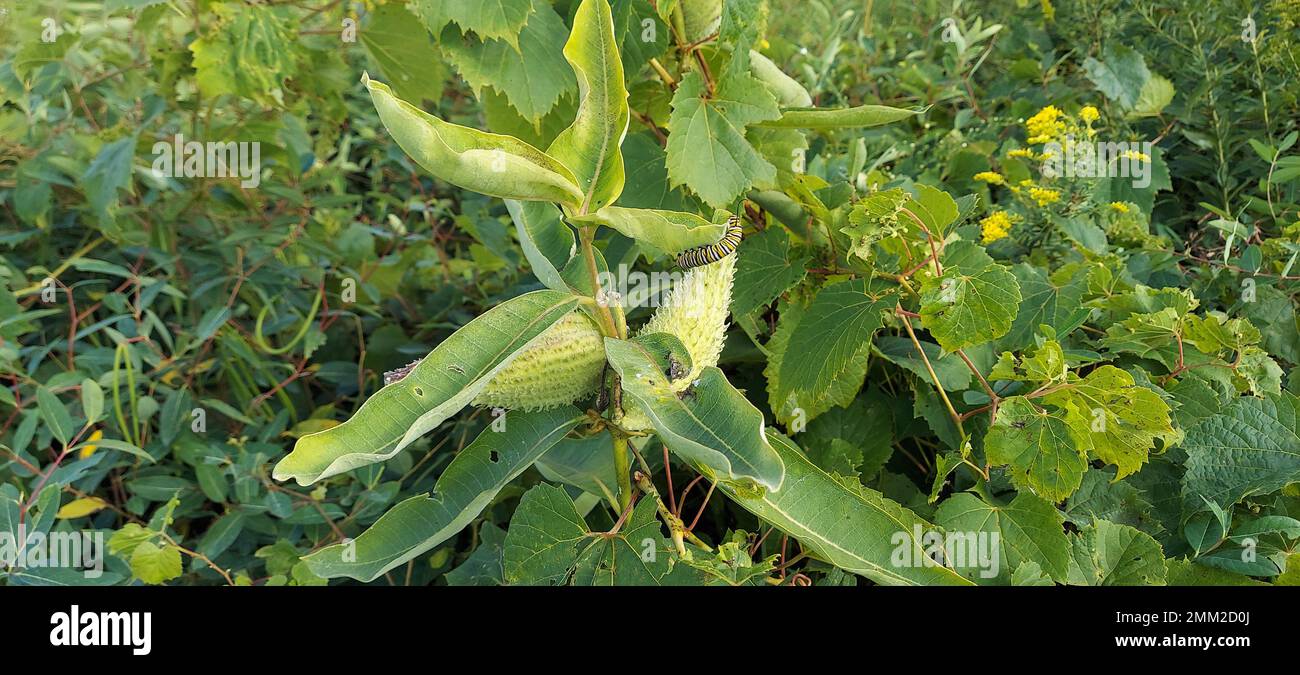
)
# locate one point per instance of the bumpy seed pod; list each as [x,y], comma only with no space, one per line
[695,312]
[563,365]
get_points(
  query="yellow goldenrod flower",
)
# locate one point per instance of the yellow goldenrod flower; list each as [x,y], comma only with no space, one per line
[1089,114]
[1021,152]
[1119,206]
[994,227]
[1046,125]
[990,177]
[90,449]
[1135,156]
[1044,196]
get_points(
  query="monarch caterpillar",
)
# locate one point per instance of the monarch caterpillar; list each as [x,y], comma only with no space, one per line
[704,255]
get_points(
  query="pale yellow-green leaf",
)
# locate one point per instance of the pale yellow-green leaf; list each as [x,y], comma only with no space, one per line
[667,231]
[440,385]
[78,508]
[590,146]
[492,164]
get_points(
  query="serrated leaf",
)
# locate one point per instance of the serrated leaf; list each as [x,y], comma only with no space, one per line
[1107,554]
[765,268]
[590,146]
[405,52]
[155,564]
[439,386]
[1044,302]
[707,149]
[833,334]
[854,529]
[251,53]
[532,75]
[1114,418]
[973,302]
[469,483]
[1029,531]
[711,425]
[1038,447]
[490,19]
[543,539]
[500,166]
[1250,448]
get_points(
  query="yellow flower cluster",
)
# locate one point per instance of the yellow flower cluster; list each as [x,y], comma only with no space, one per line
[1046,125]
[1044,196]
[990,177]
[1135,156]
[1119,206]
[1022,152]
[995,226]
[1089,114]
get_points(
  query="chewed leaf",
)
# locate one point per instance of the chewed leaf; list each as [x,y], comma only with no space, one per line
[465,487]
[496,165]
[438,387]
[709,424]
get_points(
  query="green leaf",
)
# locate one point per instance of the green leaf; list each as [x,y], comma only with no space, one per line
[667,231]
[55,415]
[711,425]
[590,147]
[547,242]
[483,567]
[833,335]
[853,440]
[490,19]
[1114,418]
[842,118]
[707,149]
[250,53]
[1120,75]
[973,302]
[405,52]
[1107,554]
[1045,301]
[953,373]
[1156,93]
[440,385]
[1250,448]
[501,166]
[92,400]
[1029,531]
[469,483]
[109,172]
[812,403]
[853,528]
[1038,447]
[543,538]
[155,564]
[765,268]
[585,463]
[533,75]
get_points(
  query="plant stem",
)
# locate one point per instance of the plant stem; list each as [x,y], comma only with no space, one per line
[623,469]
[956,418]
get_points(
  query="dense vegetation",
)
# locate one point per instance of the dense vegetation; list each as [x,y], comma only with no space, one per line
[958,349]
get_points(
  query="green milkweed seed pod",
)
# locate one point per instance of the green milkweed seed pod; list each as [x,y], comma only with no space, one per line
[562,365]
[695,312]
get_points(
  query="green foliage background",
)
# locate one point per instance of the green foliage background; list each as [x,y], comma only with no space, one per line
[130,299]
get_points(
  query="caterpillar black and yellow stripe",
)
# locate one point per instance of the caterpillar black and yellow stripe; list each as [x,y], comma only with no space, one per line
[703,255]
